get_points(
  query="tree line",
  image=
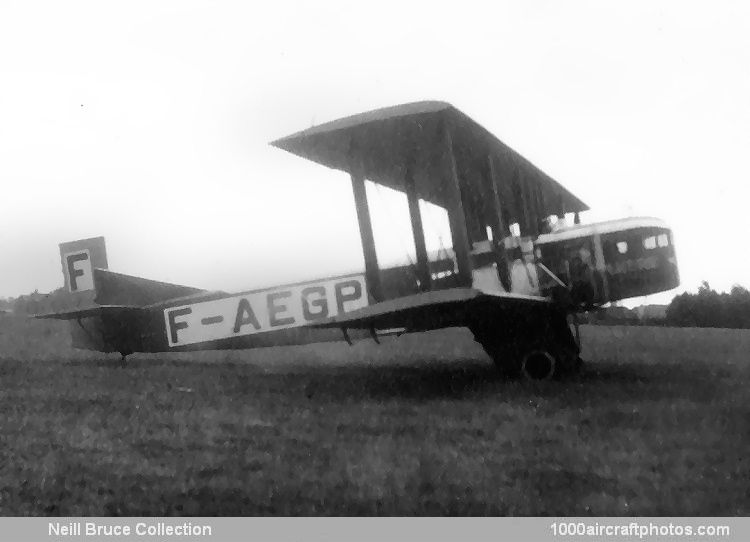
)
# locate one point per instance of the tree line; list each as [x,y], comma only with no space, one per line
[706,308]
[709,308]
[28,304]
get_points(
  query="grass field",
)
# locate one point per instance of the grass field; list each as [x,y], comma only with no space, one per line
[658,424]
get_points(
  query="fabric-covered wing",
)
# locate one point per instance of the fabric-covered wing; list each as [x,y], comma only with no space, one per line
[438,309]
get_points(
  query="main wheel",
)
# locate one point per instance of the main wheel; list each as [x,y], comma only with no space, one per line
[539,365]
[539,360]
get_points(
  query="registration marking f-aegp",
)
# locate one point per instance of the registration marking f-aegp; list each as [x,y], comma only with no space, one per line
[263,310]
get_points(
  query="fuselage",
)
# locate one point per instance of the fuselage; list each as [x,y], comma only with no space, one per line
[596,263]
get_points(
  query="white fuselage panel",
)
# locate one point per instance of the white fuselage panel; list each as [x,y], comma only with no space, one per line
[264,310]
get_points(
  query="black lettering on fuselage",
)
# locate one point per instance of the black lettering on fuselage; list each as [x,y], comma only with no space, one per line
[342,297]
[321,303]
[174,325]
[73,273]
[245,315]
[275,309]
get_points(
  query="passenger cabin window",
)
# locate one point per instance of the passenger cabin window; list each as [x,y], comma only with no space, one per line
[663,240]
[622,247]
[649,243]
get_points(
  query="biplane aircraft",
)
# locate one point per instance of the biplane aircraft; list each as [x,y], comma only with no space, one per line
[507,278]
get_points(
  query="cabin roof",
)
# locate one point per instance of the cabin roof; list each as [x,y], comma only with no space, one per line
[609,226]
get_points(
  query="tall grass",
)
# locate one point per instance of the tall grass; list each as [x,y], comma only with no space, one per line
[656,425]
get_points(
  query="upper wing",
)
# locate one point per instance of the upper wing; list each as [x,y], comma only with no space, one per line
[377,143]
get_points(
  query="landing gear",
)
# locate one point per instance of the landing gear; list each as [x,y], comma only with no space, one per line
[538,347]
[533,362]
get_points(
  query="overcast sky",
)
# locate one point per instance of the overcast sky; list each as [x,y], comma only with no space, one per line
[149,123]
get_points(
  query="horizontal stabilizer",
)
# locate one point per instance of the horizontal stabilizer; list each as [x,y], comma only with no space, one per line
[96,310]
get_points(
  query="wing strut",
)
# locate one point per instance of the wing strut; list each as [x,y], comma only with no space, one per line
[498,223]
[456,215]
[372,271]
[423,269]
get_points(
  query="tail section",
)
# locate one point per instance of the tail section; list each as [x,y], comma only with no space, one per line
[109,312]
[89,284]
[80,261]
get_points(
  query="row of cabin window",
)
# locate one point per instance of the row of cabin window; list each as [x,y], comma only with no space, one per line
[649,243]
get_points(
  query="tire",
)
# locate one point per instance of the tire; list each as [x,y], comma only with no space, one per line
[532,362]
[539,364]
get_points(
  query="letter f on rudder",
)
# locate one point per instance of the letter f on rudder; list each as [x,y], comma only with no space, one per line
[79,259]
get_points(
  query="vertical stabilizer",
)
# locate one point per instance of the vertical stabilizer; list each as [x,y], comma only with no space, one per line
[79,259]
